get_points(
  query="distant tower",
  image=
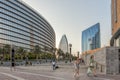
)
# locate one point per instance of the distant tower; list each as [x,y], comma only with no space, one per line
[91,38]
[63,44]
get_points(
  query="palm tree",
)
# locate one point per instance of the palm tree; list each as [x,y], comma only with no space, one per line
[26,57]
[45,49]
[53,50]
[0,50]
[67,55]
[1,55]
[37,51]
[7,48]
[60,53]
[20,51]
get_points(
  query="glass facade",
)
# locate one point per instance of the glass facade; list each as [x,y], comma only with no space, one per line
[23,26]
[63,44]
[91,38]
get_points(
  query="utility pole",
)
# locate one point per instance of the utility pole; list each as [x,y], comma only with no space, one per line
[78,54]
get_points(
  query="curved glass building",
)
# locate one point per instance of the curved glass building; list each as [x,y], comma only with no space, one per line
[91,38]
[63,44]
[22,26]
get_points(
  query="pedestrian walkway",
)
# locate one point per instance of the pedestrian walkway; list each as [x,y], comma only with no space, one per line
[43,72]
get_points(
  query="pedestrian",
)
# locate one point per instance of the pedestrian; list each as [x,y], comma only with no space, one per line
[13,59]
[13,66]
[76,65]
[91,68]
[54,64]
[82,61]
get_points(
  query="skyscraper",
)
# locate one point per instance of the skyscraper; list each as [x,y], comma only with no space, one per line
[64,44]
[91,38]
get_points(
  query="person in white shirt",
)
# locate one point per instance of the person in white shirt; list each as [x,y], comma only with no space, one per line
[54,64]
[76,65]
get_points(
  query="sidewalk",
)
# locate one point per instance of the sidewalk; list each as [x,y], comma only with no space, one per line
[45,72]
[66,71]
[100,76]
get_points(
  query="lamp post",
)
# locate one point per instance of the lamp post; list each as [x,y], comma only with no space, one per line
[86,57]
[54,49]
[78,54]
[12,56]
[70,45]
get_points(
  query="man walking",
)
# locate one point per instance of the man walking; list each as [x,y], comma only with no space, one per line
[54,64]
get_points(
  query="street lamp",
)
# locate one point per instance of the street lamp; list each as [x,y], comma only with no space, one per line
[70,45]
[53,51]
[78,54]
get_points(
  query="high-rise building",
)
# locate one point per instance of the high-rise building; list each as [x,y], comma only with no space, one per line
[64,44]
[22,26]
[115,19]
[91,38]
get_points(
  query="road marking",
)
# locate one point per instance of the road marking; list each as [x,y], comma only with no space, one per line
[53,77]
[15,77]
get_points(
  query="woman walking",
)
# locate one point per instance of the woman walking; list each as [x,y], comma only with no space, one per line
[76,65]
[91,67]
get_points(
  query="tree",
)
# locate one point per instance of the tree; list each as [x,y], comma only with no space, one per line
[1,51]
[53,50]
[37,51]
[1,55]
[7,48]
[20,51]
[60,53]
[67,55]
[45,49]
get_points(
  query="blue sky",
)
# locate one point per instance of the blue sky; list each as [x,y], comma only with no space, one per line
[71,17]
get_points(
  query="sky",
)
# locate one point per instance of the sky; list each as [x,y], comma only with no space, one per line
[71,17]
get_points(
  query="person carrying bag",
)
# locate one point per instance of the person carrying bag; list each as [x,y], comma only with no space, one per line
[91,68]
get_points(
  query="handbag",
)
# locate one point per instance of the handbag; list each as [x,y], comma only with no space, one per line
[89,70]
[91,64]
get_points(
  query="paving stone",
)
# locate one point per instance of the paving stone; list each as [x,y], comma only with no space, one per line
[41,72]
